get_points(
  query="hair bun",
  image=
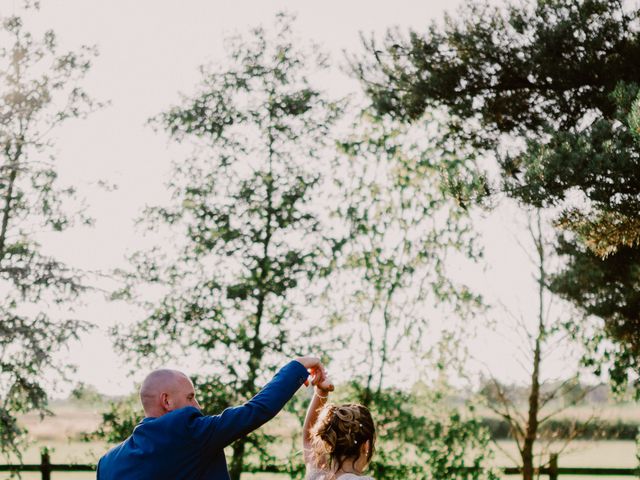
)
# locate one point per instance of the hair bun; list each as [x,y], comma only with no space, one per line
[341,430]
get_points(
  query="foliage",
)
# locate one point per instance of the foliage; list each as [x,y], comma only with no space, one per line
[402,224]
[601,162]
[117,422]
[423,437]
[519,69]
[602,251]
[244,245]
[419,435]
[565,428]
[549,88]
[40,90]
[84,394]
[601,288]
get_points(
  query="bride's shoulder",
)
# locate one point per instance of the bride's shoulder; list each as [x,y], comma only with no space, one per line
[323,475]
[315,474]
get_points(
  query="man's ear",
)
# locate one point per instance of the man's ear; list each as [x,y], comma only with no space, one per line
[165,401]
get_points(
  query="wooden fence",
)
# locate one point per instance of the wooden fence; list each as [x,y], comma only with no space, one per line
[45,467]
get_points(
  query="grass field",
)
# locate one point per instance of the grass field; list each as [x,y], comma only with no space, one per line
[61,435]
[579,453]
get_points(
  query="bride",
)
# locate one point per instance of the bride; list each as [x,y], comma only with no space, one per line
[338,440]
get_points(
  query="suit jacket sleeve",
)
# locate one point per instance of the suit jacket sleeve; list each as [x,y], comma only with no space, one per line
[218,431]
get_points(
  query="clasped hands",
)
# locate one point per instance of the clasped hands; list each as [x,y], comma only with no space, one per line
[317,374]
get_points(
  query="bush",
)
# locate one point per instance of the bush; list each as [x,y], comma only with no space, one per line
[117,422]
[562,428]
[444,444]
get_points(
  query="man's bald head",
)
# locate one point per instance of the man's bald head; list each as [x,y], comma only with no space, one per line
[165,390]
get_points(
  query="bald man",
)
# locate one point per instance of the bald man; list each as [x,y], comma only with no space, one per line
[175,441]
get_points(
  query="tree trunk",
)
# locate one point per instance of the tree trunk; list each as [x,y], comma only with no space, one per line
[527,461]
[386,316]
[257,348]
[534,395]
[6,211]
[532,420]
[367,396]
[237,460]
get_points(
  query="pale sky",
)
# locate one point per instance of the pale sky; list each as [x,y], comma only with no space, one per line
[149,52]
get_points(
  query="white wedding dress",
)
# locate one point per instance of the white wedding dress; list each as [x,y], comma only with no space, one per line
[323,475]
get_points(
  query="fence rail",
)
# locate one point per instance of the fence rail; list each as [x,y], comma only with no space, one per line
[45,467]
[553,471]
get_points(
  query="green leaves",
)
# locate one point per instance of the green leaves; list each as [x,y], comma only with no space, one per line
[550,89]
[634,118]
[245,243]
[396,202]
[118,421]
[601,288]
[516,70]
[40,90]
[207,116]
[420,436]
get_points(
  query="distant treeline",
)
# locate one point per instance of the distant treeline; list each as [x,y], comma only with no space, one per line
[562,428]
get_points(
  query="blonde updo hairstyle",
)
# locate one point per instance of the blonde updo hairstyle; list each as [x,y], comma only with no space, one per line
[340,432]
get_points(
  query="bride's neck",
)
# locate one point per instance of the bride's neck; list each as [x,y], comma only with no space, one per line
[349,467]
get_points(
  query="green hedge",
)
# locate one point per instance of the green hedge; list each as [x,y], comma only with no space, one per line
[597,429]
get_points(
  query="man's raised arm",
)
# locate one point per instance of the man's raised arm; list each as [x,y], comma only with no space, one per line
[220,430]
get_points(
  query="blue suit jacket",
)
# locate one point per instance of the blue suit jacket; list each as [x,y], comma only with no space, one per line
[186,445]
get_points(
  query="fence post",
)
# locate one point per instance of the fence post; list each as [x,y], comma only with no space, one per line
[553,466]
[45,464]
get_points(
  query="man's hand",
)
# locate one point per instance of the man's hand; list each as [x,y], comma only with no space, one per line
[317,372]
[309,362]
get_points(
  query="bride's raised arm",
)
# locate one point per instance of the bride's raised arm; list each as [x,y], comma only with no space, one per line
[320,394]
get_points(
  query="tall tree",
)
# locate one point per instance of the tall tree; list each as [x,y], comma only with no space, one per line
[403,223]
[392,282]
[247,242]
[601,247]
[40,90]
[529,411]
[547,87]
